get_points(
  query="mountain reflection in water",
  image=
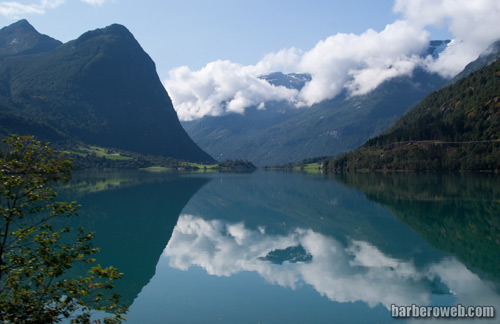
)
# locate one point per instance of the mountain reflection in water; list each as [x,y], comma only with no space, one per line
[293,248]
[299,232]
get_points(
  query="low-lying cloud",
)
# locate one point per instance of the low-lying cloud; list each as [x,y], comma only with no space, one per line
[356,63]
[220,87]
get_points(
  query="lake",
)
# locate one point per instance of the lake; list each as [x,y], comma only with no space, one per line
[275,247]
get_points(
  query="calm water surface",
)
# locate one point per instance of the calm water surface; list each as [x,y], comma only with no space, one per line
[294,248]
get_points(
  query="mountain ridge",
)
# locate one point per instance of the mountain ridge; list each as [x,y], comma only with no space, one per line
[21,38]
[102,89]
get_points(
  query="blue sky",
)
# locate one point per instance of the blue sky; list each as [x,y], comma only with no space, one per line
[195,32]
[210,54]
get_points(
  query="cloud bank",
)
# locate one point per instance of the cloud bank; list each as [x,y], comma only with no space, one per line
[356,63]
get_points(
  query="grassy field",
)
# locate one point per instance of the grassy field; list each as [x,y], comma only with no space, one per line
[157,169]
[192,167]
[312,168]
[308,168]
[203,166]
[102,152]
[98,151]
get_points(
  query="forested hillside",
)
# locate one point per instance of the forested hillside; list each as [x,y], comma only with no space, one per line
[455,128]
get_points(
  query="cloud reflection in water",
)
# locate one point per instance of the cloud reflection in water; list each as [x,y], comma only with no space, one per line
[358,271]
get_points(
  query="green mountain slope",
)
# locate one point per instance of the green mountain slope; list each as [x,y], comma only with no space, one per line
[455,128]
[101,89]
[281,134]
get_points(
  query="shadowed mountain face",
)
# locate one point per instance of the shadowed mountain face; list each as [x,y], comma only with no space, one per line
[101,88]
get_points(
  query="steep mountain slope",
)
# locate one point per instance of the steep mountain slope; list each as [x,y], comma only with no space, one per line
[280,134]
[455,128]
[489,56]
[101,88]
[21,38]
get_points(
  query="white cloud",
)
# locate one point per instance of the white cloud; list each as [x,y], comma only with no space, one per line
[16,10]
[474,24]
[361,62]
[357,63]
[221,87]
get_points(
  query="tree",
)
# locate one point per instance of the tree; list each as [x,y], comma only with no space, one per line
[36,253]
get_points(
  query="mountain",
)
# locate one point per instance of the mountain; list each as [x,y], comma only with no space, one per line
[455,128]
[21,38]
[281,133]
[100,89]
[436,47]
[290,80]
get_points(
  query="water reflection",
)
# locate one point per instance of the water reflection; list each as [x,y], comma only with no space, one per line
[358,271]
[276,247]
[304,233]
[132,215]
[458,213]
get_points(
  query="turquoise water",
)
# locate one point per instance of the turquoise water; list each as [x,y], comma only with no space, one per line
[272,247]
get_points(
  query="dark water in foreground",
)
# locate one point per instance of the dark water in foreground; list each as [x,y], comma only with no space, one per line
[294,248]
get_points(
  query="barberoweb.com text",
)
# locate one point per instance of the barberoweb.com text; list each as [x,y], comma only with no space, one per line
[455,311]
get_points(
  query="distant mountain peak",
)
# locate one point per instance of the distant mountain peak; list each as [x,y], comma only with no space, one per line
[290,80]
[117,29]
[23,23]
[111,30]
[436,47]
[22,38]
